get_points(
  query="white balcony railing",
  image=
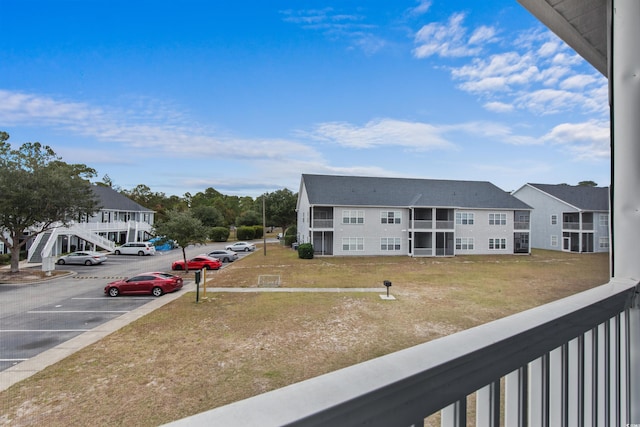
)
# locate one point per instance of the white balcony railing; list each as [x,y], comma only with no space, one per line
[570,362]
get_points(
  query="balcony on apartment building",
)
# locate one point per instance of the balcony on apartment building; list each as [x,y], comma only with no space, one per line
[321,217]
[577,221]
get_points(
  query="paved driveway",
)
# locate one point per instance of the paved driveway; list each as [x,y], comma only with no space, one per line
[37,317]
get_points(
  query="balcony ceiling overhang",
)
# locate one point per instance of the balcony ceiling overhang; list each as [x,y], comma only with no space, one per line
[582,24]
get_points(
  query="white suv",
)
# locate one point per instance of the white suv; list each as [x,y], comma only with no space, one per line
[136,248]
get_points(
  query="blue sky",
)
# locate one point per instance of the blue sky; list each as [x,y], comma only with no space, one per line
[246,96]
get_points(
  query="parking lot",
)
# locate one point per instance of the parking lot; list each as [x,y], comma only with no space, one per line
[39,316]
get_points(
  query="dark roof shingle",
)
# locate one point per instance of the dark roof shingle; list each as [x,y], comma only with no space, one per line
[580,196]
[333,190]
[110,199]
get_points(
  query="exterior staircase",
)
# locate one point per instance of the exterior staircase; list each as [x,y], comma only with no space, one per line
[44,243]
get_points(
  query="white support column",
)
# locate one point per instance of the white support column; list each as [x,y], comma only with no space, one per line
[624,81]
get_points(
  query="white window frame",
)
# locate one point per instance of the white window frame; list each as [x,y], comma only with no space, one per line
[554,219]
[390,244]
[554,240]
[353,244]
[352,217]
[465,218]
[603,243]
[465,243]
[604,221]
[497,243]
[498,218]
[390,217]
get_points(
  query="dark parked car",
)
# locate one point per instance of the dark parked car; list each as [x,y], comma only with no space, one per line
[198,263]
[224,255]
[154,283]
[83,257]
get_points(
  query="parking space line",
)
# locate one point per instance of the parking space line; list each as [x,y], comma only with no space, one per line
[13,360]
[44,330]
[77,311]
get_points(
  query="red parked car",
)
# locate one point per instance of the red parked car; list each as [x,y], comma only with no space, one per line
[155,283]
[198,263]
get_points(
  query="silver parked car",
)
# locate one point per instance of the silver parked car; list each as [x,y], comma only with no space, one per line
[83,257]
[241,247]
[223,255]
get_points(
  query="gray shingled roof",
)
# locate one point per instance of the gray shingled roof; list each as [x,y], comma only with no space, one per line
[580,196]
[332,190]
[110,199]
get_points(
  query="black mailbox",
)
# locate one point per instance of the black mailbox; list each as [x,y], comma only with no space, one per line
[387,283]
[198,275]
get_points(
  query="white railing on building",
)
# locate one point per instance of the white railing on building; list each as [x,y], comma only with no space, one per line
[518,225]
[323,223]
[567,363]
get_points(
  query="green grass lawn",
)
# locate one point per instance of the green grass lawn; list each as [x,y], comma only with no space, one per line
[186,358]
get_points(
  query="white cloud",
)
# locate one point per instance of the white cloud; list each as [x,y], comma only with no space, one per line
[450,39]
[337,27]
[587,141]
[422,8]
[151,132]
[382,133]
[499,107]
[535,71]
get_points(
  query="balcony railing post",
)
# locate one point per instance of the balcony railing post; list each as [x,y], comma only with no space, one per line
[634,360]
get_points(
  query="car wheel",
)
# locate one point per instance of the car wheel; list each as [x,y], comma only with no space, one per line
[140,253]
[247,249]
[177,267]
[157,291]
[226,260]
[61,261]
[113,292]
[207,267]
[87,262]
[117,252]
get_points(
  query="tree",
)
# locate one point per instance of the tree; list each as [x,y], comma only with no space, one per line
[184,229]
[38,192]
[209,215]
[280,207]
[587,184]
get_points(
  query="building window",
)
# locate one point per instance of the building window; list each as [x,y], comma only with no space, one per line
[554,219]
[464,243]
[390,217]
[497,219]
[352,217]
[464,218]
[353,243]
[603,242]
[497,244]
[390,243]
[554,240]
[604,221]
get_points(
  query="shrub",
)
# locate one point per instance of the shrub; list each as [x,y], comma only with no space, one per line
[305,251]
[291,231]
[219,234]
[289,240]
[259,231]
[245,233]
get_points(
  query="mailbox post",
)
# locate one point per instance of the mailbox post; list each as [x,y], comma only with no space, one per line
[198,274]
[387,283]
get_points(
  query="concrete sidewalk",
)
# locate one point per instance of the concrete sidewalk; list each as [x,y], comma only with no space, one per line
[24,370]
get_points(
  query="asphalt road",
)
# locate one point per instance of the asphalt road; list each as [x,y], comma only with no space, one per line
[39,316]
